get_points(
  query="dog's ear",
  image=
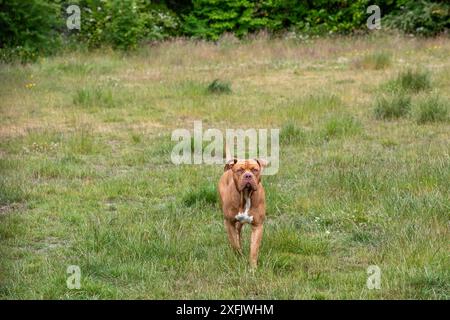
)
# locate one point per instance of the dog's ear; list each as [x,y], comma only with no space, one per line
[229,164]
[262,163]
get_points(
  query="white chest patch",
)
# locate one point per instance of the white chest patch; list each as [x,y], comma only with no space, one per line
[243,217]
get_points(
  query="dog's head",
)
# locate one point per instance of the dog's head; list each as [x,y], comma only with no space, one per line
[246,173]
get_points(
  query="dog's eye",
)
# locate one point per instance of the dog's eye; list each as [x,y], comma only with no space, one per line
[240,170]
[254,170]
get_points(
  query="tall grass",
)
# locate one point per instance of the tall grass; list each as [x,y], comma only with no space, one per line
[412,80]
[94,97]
[431,109]
[374,61]
[392,106]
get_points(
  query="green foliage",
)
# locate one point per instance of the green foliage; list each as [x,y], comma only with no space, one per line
[123,24]
[334,16]
[28,28]
[210,18]
[160,23]
[420,17]
[35,27]
[125,29]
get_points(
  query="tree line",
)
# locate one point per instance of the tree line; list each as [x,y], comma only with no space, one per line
[31,28]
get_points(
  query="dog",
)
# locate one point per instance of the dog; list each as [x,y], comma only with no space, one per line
[242,199]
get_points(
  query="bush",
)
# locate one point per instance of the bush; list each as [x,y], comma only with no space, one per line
[124,23]
[28,29]
[431,109]
[210,18]
[420,17]
[392,106]
[34,27]
[116,23]
[160,24]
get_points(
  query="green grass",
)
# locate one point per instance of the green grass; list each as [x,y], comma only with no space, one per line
[341,126]
[201,195]
[392,106]
[94,97]
[374,61]
[411,80]
[291,134]
[432,109]
[218,86]
[86,177]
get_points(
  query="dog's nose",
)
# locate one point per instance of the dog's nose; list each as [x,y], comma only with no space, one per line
[247,176]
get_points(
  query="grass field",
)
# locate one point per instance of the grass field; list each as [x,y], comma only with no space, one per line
[364,179]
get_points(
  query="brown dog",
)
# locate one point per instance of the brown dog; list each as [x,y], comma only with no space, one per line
[243,201]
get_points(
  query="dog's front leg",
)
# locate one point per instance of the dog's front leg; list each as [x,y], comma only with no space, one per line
[257,232]
[238,226]
[233,236]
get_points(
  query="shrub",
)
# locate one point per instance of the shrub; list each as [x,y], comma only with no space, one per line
[160,24]
[210,18]
[124,23]
[218,86]
[117,23]
[431,109]
[392,106]
[28,29]
[420,17]
[321,17]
